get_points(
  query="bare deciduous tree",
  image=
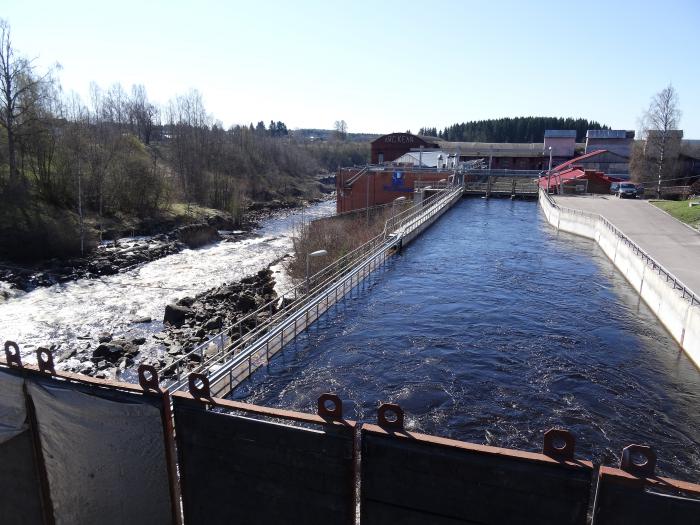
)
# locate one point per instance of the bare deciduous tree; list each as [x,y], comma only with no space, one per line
[660,125]
[341,129]
[18,95]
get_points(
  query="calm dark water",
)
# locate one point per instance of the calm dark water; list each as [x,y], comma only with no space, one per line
[491,328]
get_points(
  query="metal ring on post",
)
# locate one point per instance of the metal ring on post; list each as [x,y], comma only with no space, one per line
[639,460]
[44,359]
[148,378]
[559,444]
[202,391]
[330,413]
[384,422]
[12,356]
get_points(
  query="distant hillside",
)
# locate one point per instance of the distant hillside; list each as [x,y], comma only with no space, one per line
[517,129]
[329,134]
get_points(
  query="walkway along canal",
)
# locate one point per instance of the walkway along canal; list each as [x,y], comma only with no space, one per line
[492,327]
[656,253]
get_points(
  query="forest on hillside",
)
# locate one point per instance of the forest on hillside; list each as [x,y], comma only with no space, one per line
[66,162]
[516,129]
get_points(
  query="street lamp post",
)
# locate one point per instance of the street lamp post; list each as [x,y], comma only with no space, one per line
[549,171]
[393,203]
[317,253]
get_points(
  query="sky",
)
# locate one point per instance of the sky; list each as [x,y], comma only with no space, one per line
[381,66]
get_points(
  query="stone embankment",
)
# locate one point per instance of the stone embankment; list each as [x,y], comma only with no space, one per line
[118,256]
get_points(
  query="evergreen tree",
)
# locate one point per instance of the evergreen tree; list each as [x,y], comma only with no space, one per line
[517,129]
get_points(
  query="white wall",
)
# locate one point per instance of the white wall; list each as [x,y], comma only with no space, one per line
[675,312]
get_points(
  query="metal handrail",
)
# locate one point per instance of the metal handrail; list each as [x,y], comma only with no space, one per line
[318,281]
[238,358]
[687,293]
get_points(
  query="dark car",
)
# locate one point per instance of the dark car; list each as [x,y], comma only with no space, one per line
[626,190]
[614,186]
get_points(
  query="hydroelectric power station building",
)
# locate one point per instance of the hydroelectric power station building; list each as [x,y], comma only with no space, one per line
[398,160]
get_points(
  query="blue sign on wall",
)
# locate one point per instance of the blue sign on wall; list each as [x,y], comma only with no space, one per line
[397,183]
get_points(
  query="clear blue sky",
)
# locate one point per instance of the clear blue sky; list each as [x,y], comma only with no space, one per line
[380,65]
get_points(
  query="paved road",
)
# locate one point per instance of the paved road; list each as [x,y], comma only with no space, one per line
[674,245]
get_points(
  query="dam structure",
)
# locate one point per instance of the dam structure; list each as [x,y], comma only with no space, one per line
[494,374]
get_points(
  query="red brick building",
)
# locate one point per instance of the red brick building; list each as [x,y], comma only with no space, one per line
[390,147]
[358,188]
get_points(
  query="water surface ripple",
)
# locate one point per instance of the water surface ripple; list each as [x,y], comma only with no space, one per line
[491,327]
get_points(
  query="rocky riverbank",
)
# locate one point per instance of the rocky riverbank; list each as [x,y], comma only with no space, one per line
[159,239]
[188,322]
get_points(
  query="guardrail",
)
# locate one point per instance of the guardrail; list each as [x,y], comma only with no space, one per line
[232,355]
[677,284]
[504,173]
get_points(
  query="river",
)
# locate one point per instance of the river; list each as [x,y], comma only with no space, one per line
[69,314]
[492,327]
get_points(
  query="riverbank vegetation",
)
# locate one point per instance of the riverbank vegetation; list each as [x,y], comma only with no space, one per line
[73,170]
[338,235]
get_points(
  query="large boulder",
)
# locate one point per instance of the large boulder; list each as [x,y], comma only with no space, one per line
[114,350]
[246,302]
[176,315]
[196,235]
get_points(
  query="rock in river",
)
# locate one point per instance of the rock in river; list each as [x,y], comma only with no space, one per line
[176,315]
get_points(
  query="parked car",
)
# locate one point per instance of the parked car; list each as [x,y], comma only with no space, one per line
[614,186]
[626,190]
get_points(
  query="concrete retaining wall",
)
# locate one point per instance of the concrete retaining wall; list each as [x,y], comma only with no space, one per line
[678,316]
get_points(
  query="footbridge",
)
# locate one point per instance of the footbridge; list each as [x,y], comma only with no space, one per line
[502,183]
[231,356]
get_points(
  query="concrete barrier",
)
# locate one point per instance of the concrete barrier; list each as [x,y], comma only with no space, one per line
[99,451]
[676,313]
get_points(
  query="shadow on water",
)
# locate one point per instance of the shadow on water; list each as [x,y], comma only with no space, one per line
[492,327]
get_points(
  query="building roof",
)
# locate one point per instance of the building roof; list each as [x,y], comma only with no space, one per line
[577,160]
[405,138]
[560,133]
[495,149]
[573,174]
[609,134]
[569,163]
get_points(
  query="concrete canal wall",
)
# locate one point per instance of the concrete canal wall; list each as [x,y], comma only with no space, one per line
[75,449]
[671,305]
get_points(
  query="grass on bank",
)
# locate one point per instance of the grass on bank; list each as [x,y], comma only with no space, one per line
[681,211]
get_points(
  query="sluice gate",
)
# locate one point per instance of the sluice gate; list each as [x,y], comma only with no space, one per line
[75,449]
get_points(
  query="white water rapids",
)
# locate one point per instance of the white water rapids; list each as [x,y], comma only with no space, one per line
[71,315]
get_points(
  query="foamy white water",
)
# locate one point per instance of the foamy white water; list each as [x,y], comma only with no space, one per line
[66,315]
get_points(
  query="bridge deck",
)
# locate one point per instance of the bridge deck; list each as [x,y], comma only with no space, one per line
[670,242]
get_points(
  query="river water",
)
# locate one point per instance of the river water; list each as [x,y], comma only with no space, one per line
[492,327]
[67,315]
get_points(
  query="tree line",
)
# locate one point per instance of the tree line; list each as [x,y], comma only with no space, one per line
[120,153]
[516,129]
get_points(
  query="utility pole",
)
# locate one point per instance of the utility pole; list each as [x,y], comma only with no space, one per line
[367,197]
[549,171]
